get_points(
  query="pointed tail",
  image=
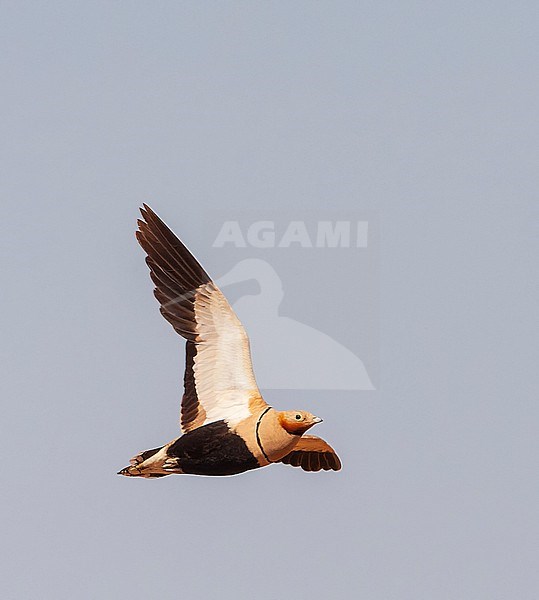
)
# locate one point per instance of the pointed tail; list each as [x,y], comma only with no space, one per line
[136,467]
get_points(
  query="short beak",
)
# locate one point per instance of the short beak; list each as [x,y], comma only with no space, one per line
[317,420]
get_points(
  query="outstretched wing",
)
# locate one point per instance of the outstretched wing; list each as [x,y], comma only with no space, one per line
[219,381]
[312,454]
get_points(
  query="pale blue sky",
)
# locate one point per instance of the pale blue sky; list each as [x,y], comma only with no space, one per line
[422,113]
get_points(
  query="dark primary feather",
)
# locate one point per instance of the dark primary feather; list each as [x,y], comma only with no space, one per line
[312,461]
[174,270]
[312,454]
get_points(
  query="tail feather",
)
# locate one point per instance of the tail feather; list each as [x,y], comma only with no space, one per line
[137,468]
[130,471]
[142,456]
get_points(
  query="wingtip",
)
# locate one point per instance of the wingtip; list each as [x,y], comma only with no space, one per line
[151,218]
[146,211]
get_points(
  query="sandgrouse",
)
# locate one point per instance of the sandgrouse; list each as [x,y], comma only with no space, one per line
[227,426]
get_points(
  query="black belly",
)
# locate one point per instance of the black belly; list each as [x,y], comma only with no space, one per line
[212,450]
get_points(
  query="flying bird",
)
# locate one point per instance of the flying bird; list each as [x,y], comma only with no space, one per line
[227,426]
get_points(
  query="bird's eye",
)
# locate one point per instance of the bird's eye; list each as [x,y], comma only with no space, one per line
[298,417]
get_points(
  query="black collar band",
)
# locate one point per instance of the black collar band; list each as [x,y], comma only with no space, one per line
[258,435]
